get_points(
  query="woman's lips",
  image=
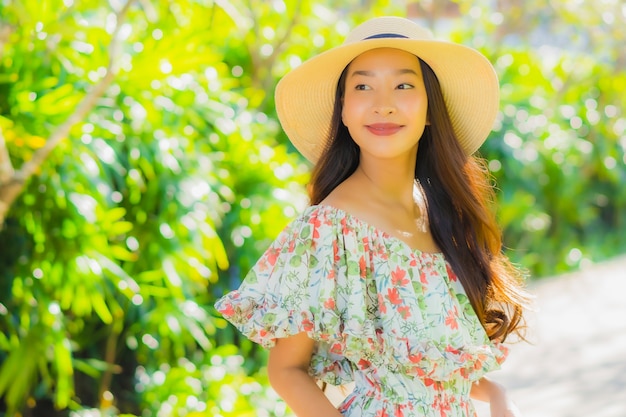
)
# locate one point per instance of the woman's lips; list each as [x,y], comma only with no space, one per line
[383,129]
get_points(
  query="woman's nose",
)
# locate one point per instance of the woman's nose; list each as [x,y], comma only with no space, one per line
[383,104]
[384,110]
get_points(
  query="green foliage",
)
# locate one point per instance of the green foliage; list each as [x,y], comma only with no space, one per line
[557,151]
[166,193]
[112,254]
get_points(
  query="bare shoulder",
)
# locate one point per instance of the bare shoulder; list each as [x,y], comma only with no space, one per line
[345,197]
[353,197]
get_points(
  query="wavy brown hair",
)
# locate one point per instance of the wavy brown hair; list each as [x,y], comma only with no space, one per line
[459,196]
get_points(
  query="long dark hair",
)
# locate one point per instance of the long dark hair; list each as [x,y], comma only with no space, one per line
[459,197]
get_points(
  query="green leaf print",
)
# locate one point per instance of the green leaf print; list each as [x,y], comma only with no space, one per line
[295,261]
[465,304]
[306,232]
[300,248]
[353,268]
[462,299]
[269,318]
[251,277]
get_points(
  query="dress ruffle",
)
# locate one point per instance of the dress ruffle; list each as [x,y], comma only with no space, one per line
[368,299]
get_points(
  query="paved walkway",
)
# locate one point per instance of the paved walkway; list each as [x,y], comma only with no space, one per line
[576,364]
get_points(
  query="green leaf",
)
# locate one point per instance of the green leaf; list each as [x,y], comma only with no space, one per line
[120,228]
[100,308]
[65,372]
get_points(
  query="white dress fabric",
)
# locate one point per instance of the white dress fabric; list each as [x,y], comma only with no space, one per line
[393,319]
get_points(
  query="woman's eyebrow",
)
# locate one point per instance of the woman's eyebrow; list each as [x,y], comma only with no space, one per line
[367,73]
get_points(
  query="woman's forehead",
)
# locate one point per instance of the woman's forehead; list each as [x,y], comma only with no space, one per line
[383,58]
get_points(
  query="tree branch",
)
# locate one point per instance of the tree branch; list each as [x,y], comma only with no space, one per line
[11,188]
[6,167]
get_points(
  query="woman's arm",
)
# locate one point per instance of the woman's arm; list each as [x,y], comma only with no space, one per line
[499,403]
[288,373]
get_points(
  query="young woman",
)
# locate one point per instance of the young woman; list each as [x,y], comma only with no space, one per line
[393,277]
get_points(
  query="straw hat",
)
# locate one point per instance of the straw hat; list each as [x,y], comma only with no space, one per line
[305,96]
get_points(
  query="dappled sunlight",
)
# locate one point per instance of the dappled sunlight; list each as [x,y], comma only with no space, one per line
[143,170]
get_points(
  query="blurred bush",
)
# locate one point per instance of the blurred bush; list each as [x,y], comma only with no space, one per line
[558,151]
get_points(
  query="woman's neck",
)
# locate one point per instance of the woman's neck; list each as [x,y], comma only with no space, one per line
[389,182]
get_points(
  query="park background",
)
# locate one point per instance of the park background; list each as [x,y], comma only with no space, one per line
[143,171]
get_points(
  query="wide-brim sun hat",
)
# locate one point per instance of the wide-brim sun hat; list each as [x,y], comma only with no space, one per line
[305,96]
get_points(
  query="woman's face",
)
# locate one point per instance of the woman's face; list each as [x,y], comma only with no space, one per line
[385,103]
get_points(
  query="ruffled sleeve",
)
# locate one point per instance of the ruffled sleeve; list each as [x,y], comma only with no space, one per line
[282,294]
[296,287]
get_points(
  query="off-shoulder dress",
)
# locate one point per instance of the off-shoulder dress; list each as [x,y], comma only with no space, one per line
[394,320]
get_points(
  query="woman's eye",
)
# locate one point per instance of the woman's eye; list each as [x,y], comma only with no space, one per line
[361,87]
[405,86]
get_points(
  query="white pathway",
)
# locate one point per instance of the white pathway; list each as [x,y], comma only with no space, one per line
[576,364]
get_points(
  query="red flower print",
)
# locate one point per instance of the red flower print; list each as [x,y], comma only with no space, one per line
[364,364]
[381,304]
[228,310]
[452,350]
[413,262]
[329,304]
[336,348]
[505,353]
[393,296]
[263,264]
[366,245]
[363,267]
[415,358]
[444,407]
[331,274]
[307,325]
[335,251]
[398,277]
[405,312]
[451,319]
[272,255]
[423,278]
[345,229]
[370,343]
[451,273]
[316,223]
[382,413]
[347,404]
[398,412]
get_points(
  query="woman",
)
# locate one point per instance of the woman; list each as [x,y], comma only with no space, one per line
[394,276]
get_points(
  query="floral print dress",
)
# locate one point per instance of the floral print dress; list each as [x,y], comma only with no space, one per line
[394,320]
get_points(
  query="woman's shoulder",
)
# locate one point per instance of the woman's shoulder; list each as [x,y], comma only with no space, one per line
[348,199]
